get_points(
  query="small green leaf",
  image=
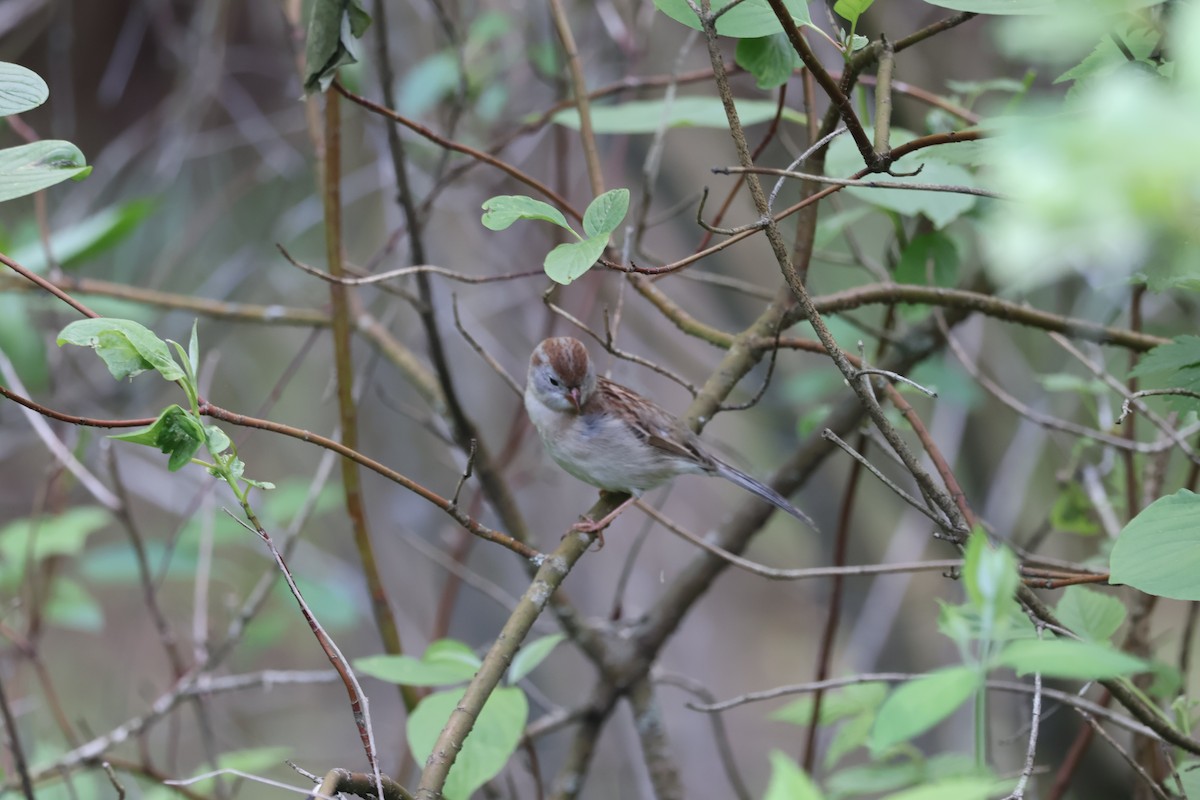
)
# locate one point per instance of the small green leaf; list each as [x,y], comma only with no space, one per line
[843,160]
[127,347]
[922,703]
[81,241]
[873,778]
[1179,363]
[71,606]
[29,168]
[851,735]
[50,535]
[530,655]
[851,10]
[175,432]
[503,210]
[991,578]
[836,704]
[789,781]
[971,788]
[1066,658]
[27,353]
[605,213]
[1073,512]
[193,351]
[1089,613]
[493,740]
[770,59]
[930,259]
[216,440]
[1189,774]
[1158,552]
[647,116]
[444,661]
[569,260]
[748,19]
[334,28]
[21,89]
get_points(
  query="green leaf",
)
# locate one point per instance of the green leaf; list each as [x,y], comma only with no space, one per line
[930,259]
[77,243]
[831,226]
[216,440]
[117,565]
[991,578]
[1072,511]
[444,661]
[27,353]
[503,210]
[175,432]
[1189,774]
[569,260]
[942,208]
[647,116]
[605,213]
[1022,7]
[428,82]
[1091,614]
[922,703]
[851,735]
[1139,40]
[924,250]
[851,10]
[193,351]
[530,655]
[1066,658]
[21,89]
[974,788]
[873,778]
[1179,360]
[965,624]
[71,606]
[770,59]
[1158,552]
[788,781]
[337,600]
[954,765]
[127,347]
[50,535]
[29,168]
[493,740]
[334,28]
[749,19]
[836,704]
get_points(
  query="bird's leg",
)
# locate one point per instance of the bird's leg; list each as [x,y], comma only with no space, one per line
[597,527]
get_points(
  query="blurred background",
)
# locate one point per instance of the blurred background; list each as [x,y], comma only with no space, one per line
[194,119]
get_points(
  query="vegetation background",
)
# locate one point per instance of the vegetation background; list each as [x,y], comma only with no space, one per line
[207,157]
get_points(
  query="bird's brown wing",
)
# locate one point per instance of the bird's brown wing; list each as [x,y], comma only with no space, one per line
[653,424]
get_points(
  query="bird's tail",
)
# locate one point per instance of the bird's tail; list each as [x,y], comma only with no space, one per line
[735,475]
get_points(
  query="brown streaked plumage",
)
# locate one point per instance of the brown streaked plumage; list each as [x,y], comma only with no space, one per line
[613,438]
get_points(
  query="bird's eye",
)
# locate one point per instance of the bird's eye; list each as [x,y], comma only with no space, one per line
[554,382]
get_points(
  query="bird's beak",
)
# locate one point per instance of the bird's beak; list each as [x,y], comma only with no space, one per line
[574,395]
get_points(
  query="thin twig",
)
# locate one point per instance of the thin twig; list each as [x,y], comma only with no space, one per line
[886,481]
[804,573]
[807,176]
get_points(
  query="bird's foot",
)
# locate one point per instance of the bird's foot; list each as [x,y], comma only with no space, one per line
[587,525]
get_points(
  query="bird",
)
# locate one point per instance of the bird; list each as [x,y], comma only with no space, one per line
[613,438]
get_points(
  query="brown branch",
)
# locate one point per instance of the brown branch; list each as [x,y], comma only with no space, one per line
[478,155]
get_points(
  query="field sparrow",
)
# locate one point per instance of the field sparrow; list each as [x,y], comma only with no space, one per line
[612,437]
